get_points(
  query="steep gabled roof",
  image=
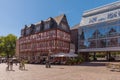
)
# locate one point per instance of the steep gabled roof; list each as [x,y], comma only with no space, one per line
[75,27]
[58,19]
[53,23]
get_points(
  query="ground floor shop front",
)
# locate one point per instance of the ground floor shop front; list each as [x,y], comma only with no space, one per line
[101,55]
[34,57]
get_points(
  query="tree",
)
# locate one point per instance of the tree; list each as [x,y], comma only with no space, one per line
[8,44]
[1,44]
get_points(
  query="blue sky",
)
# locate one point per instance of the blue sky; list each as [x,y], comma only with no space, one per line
[14,14]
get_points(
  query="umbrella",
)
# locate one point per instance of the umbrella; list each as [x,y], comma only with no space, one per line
[71,55]
[59,55]
[64,55]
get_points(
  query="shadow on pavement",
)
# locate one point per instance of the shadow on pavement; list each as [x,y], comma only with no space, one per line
[10,70]
[24,69]
[93,64]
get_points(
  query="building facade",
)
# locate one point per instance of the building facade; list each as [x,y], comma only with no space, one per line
[40,39]
[17,48]
[99,29]
[74,36]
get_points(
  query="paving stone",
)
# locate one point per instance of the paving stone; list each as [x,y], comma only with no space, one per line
[58,72]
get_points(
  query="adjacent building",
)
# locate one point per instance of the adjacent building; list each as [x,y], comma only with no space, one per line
[74,36]
[50,36]
[17,48]
[99,29]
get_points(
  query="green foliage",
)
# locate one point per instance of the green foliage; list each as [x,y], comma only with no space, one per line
[3,54]
[7,45]
[80,58]
[91,58]
[76,60]
[69,61]
[100,55]
[1,44]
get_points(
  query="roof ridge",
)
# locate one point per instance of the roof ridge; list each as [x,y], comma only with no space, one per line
[59,18]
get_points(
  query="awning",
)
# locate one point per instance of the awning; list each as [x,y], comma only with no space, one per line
[71,54]
[59,55]
[64,55]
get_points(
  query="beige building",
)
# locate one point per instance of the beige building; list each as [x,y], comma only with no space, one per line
[74,36]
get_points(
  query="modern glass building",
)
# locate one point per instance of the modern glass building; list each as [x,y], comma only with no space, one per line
[99,29]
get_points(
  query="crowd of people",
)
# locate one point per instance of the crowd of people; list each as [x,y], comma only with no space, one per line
[10,63]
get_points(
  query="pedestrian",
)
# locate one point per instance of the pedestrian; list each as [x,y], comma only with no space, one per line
[16,61]
[23,64]
[11,65]
[20,65]
[7,68]
[48,62]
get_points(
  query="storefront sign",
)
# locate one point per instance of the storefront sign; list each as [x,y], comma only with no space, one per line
[115,14]
[108,16]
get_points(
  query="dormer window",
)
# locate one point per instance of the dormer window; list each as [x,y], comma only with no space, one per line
[22,32]
[37,28]
[28,31]
[47,26]
[64,27]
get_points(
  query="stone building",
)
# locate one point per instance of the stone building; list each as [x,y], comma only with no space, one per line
[40,39]
[74,36]
[17,49]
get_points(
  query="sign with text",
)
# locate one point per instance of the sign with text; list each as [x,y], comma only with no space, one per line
[115,14]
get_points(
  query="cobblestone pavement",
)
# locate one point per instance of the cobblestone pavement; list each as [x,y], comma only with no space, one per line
[58,72]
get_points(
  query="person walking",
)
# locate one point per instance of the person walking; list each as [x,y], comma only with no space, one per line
[8,65]
[23,64]
[11,65]
[20,64]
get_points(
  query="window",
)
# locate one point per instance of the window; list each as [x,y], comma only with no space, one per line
[47,26]
[119,41]
[22,32]
[64,27]
[28,31]
[37,29]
